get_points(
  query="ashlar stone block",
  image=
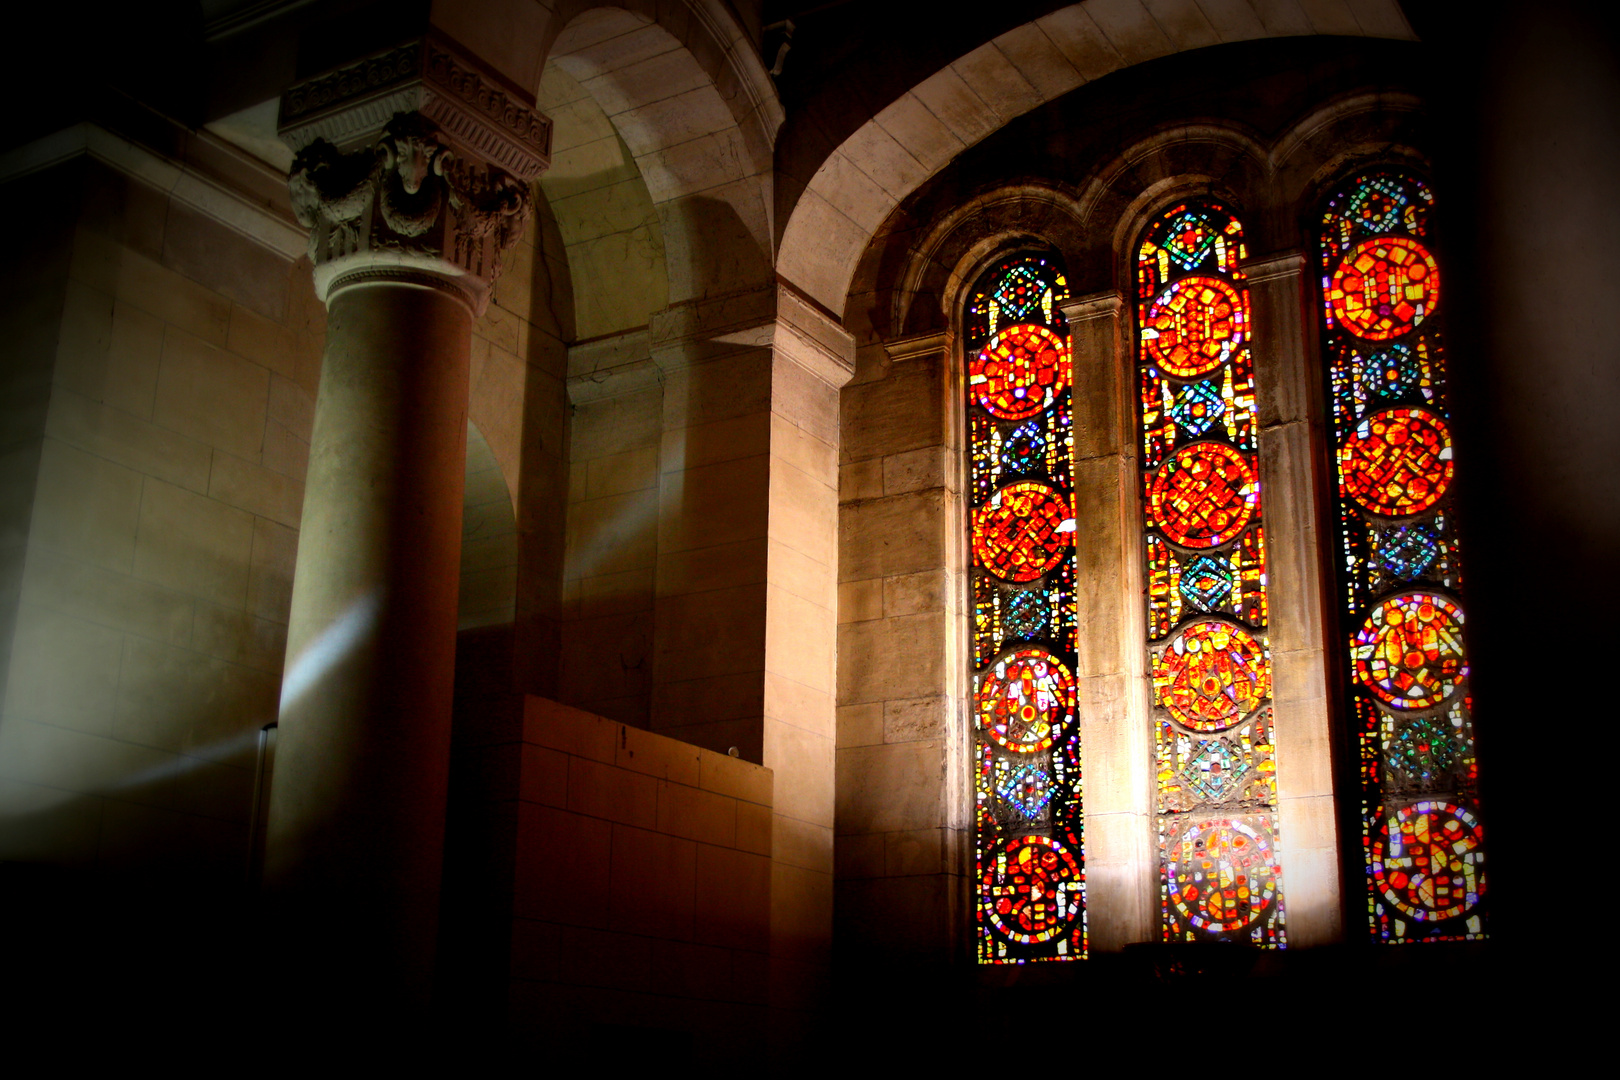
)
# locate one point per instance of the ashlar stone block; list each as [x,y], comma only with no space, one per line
[891,658]
[193,543]
[891,788]
[211,395]
[1183,22]
[86,507]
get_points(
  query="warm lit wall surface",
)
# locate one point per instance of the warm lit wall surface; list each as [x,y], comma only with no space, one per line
[629,874]
[901,774]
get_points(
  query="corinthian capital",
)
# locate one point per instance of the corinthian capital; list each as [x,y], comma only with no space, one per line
[412,163]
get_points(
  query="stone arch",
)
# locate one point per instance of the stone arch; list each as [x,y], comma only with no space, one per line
[688,96]
[1120,196]
[611,236]
[1093,223]
[913,138]
[940,268]
[1325,143]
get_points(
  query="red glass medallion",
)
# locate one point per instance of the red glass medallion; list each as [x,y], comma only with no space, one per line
[1025,700]
[1035,889]
[1397,462]
[1204,495]
[1022,532]
[1211,676]
[1427,861]
[1020,372]
[1384,287]
[1222,875]
[1409,652]
[1193,326]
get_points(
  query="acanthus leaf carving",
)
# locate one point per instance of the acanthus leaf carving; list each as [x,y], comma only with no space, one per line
[392,197]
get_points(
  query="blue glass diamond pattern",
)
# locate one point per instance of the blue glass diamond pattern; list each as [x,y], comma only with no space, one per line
[1019,293]
[1424,748]
[1206,583]
[1025,449]
[1027,787]
[1189,238]
[1215,770]
[1197,408]
[1407,550]
[1377,207]
[1025,616]
[1395,371]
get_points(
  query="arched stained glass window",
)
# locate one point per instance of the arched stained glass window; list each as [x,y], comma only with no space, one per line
[1030,867]
[1204,544]
[1400,575]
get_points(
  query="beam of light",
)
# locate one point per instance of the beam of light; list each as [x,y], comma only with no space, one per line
[329,648]
[212,754]
[612,533]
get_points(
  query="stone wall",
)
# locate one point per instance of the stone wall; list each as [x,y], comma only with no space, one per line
[159,548]
[901,757]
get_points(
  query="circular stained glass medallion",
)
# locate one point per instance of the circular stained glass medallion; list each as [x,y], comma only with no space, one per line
[1022,532]
[1020,372]
[1211,676]
[1033,887]
[1193,326]
[1384,287]
[1222,876]
[1025,700]
[1409,652]
[1204,495]
[1428,861]
[1397,462]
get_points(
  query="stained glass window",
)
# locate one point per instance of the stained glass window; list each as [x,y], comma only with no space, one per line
[1399,572]
[1030,867]
[1205,547]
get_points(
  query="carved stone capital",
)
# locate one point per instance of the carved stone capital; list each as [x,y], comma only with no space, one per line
[1100,305]
[480,115]
[413,164]
[927,346]
[1282,264]
[407,206]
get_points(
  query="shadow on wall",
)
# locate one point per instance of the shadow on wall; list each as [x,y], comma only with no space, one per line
[542,481]
[710,250]
[164,925]
[489,541]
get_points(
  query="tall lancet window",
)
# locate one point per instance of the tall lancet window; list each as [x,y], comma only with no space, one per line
[1204,543]
[1400,575]
[1031,862]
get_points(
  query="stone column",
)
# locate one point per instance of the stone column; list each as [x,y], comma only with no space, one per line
[411,175]
[1121,858]
[1291,485]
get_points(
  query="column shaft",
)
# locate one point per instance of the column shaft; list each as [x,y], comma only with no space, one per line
[357,805]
